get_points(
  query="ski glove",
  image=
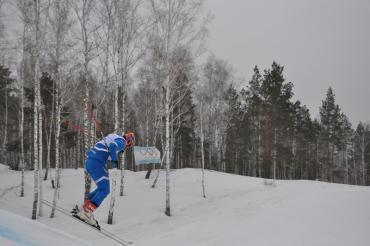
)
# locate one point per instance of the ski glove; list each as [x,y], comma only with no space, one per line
[115,164]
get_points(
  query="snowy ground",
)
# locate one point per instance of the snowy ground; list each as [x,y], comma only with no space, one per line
[18,230]
[237,211]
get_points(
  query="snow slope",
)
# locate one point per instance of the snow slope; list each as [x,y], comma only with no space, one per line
[238,210]
[17,230]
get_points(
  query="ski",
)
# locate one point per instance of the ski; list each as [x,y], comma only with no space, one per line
[103,231]
[75,212]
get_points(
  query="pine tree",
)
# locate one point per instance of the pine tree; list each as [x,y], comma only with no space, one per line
[253,117]
[5,96]
[234,133]
[330,123]
[275,94]
[362,149]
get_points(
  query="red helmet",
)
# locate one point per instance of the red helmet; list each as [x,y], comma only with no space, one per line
[130,138]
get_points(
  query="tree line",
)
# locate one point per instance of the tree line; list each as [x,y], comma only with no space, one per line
[82,69]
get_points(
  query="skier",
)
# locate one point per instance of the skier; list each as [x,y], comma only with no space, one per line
[108,148]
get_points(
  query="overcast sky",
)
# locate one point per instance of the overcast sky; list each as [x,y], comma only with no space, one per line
[320,43]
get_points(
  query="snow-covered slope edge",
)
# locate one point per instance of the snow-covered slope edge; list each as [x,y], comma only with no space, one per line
[17,230]
[238,210]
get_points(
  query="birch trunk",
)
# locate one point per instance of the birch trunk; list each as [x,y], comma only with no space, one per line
[40,158]
[86,140]
[48,138]
[21,123]
[123,126]
[3,148]
[167,110]
[113,195]
[84,17]
[36,109]
[86,137]
[57,145]
[355,170]
[21,134]
[202,147]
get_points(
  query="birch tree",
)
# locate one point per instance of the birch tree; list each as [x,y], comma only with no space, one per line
[175,24]
[130,27]
[83,10]
[127,50]
[25,18]
[60,24]
[37,104]
[215,78]
[202,145]
[362,141]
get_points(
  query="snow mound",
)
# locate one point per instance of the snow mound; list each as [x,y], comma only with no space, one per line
[17,230]
[3,167]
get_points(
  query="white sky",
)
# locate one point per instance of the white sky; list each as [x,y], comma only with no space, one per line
[321,43]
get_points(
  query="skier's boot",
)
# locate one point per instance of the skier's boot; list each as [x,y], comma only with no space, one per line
[86,212]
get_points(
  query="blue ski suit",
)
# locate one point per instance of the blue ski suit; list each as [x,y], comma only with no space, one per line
[108,148]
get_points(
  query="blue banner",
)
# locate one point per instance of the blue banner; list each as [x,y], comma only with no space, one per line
[146,155]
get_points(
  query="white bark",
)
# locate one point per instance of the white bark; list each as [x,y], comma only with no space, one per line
[84,14]
[40,157]
[37,100]
[167,144]
[5,135]
[129,52]
[25,21]
[202,145]
[57,172]
[21,130]
[49,136]
[159,169]
[60,27]
[122,181]
[114,177]
[174,27]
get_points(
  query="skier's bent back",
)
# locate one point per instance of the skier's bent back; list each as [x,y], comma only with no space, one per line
[97,157]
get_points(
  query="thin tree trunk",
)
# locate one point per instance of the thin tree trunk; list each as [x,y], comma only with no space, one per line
[21,131]
[275,154]
[123,124]
[86,136]
[48,138]
[35,158]
[202,147]
[259,151]
[5,138]
[84,19]
[167,110]
[40,161]
[57,143]
[21,123]
[159,169]
[113,195]
[346,164]
[116,112]
[355,170]
[363,159]
[36,109]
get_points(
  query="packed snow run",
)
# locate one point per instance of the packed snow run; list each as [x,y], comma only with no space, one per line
[238,210]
